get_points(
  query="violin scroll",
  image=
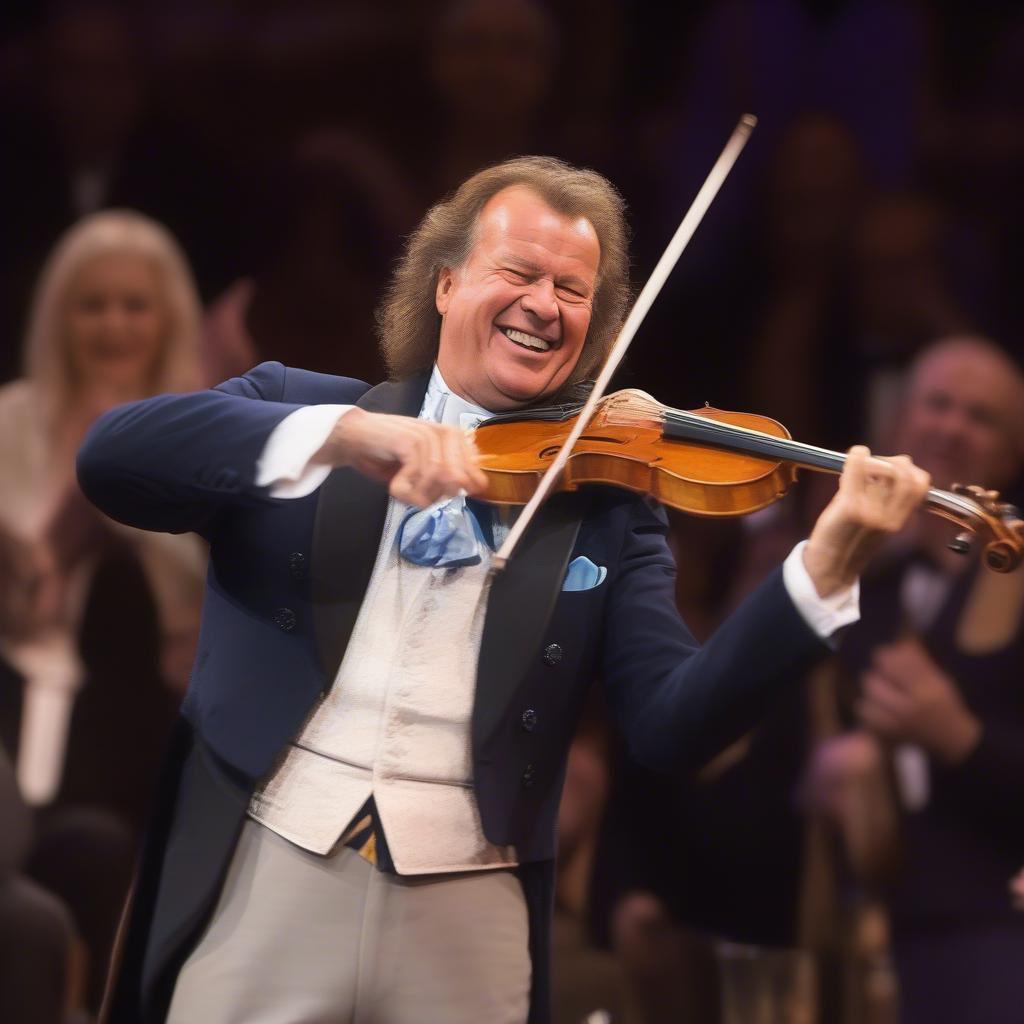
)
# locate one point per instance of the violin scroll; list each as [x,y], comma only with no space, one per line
[984,514]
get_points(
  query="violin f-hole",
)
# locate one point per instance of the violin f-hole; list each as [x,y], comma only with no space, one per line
[552,450]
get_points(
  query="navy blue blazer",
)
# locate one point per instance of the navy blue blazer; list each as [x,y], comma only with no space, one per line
[287,577]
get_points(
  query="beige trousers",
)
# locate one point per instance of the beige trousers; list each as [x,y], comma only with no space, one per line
[297,938]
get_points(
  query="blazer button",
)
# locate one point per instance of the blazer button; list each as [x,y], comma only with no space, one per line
[552,654]
[297,565]
[285,619]
[529,776]
[529,720]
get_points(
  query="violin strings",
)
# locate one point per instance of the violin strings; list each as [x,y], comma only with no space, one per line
[797,451]
[823,458]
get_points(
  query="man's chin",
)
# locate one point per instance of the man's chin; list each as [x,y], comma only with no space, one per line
[516,393]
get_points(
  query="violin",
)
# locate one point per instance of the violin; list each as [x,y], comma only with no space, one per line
[705,461]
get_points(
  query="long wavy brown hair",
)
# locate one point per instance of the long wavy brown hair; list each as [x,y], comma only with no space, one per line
[408,321]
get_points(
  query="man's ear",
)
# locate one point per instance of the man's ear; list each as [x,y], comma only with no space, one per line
[443,292]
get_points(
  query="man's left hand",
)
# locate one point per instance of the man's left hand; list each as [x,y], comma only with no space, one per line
[875,498]
[907,698]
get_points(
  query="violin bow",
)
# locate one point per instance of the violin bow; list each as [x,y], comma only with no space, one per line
[694,215]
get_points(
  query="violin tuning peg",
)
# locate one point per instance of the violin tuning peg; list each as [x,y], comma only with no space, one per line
[961,543]
[984,497]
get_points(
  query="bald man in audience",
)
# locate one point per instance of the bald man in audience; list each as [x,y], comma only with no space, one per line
[937,662]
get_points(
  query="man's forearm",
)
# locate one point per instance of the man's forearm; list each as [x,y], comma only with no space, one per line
[167,463]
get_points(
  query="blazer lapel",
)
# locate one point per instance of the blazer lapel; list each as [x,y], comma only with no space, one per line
[346,535]
[521,601]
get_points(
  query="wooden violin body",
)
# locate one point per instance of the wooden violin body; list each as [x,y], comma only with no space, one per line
[624,445]
[707,462]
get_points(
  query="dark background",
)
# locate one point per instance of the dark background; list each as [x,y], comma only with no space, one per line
[876,208]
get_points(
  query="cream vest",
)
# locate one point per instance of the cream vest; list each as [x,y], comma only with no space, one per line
[396,724]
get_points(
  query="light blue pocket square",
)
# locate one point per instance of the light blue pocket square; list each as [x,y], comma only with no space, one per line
[583,574]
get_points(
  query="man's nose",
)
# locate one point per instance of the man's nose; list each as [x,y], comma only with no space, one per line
[539,299]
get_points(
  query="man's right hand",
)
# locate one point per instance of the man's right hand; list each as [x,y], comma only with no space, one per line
[420,462]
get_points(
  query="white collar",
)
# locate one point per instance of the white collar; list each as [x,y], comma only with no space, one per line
[442,405]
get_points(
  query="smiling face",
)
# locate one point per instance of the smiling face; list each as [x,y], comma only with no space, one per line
[515,315]
[962,417]
[116,324]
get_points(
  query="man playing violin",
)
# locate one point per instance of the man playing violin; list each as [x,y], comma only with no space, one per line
[356,822]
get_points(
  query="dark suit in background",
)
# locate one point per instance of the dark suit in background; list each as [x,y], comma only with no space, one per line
[958,943]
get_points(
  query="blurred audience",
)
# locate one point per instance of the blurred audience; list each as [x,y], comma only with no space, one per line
[936,659]
[860,61]
[114,318]
[491,64]
[903,296]
[497,81]
[855,285]
[717,855]
[972,146]
[89,606]
[1017,890]
[328,228]
[36,931]
[816,197]
[90,133]
[586,979]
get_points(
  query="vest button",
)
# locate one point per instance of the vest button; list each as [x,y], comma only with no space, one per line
[529,720]
[529,776]
[552,654]
[285,619]
[297,565]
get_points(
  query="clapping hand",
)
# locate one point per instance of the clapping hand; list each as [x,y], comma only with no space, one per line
[907,698]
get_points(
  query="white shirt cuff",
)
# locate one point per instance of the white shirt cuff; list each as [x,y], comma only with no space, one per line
[283,465]
[824,615]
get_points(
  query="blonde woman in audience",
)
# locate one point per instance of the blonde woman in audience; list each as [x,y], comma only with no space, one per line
[115,317]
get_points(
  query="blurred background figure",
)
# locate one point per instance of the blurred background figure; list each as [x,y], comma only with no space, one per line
[100,621]
[36,930]
[92,133]
[328,226]
[852,284]
[972,148]
[586,978]
[904,295]
[935,671]
[492,66]
[816,194]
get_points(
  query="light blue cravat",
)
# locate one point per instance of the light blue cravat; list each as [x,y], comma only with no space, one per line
[444,535]
[448,533]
